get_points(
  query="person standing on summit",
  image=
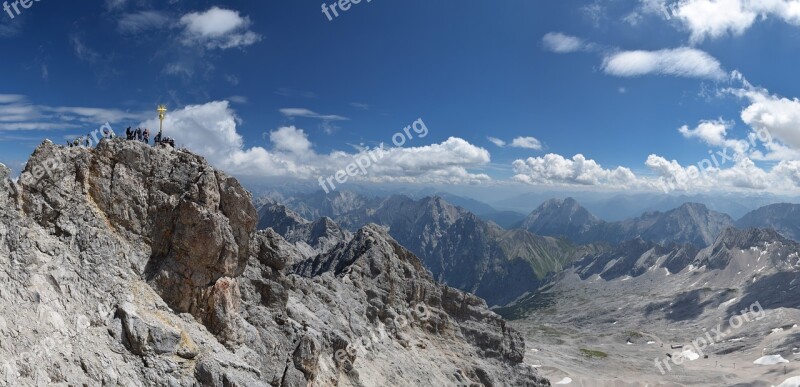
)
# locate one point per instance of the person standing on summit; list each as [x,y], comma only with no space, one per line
[146,136]
[138,134]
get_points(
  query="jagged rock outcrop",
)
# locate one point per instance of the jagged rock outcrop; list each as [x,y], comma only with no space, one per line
[137,266]
[310,238]
[782,217]
[458,247]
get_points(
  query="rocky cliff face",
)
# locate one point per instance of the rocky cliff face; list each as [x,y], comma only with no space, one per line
[133,266]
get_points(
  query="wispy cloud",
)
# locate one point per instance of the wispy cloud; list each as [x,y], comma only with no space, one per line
[232,79]
[287,92]
[306,113]
[525,142]
[9,27]
[82,51]
[18,114]
[116,4]
[11,98]
[181,69]
[680,62]
[562,44]
[143,21]
[497,141]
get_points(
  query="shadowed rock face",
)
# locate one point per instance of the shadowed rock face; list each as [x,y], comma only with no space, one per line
[142,266]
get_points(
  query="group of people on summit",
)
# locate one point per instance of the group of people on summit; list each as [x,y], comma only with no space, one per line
[144,136]
[139,135]
[131,134]
[91,138]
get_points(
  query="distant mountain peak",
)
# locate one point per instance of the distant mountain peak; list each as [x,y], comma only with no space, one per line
[560,217]
[694,206]
[689,223]
[560,203]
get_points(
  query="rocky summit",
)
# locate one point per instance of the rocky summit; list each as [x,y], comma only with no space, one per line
[128,265]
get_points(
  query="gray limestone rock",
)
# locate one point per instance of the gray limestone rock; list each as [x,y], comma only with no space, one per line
[128,265]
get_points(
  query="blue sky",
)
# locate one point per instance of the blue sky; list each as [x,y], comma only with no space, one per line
[586,94]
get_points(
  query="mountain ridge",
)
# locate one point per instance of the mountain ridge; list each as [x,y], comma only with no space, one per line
[154,273]
[463,250]
[689,223]
[782,217]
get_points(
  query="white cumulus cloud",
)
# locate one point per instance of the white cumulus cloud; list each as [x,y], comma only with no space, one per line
[778,115]
[708,175]
[211,131]
[553,169]
[741,174]
[290,139]
[218,28]
[715,133]
[713,19]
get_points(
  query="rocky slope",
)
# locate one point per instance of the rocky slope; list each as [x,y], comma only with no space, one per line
[690,223]
[133,266]
[734,301]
